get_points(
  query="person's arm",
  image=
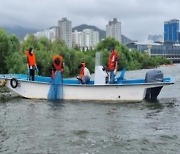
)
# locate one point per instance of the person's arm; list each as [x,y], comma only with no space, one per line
[27,66]
[36,64]
[86,72]
[53,71]
[62,67]
[36,68]
[27,62]
[116,64]
[28,71]
[116,67]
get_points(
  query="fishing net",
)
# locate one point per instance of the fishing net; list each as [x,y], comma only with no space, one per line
[56,87]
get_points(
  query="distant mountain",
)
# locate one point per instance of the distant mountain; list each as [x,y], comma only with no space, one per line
[125,40]
[19,31]
[102,33]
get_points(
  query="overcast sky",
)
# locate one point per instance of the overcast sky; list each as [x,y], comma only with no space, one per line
[138,17]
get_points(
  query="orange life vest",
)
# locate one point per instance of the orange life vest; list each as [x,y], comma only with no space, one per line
[31,58]
[58,62]
[112,60]
[81,73]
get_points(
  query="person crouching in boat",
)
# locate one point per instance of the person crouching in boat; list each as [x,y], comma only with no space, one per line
[57,65]
[113,64]
[84,74]
[31,64]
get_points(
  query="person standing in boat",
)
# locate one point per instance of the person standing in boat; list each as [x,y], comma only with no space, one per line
[84,74]
[113,64]
[56,88]
[57,65]
[31,63]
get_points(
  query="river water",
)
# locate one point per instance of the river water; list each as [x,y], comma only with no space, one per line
[74,127]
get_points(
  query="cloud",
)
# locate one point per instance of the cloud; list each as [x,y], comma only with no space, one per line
[138,17]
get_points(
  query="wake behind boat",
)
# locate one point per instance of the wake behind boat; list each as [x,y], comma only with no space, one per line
[129,90]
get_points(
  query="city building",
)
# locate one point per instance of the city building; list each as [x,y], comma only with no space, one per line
[65,31]
[155,38]
[169,50]
[171,31]
[113,29]
[86,39]
[50,33]
[76,39]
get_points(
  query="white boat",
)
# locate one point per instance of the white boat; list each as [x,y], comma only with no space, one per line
[123,90]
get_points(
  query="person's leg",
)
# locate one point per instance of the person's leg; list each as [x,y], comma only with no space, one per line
[111,77]
[80,80]
[85,80]
[32,73]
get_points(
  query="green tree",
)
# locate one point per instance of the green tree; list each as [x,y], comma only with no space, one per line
[16,63]
[30,42]
[107,44]
[4,49]
[14,44]
[44,62]
[43,44]
[13,58]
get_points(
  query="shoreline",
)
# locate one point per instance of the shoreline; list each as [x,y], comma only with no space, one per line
[6,94]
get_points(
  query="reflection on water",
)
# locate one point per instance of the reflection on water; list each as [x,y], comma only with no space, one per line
[40,126]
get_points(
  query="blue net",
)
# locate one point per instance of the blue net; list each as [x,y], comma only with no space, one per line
[56,87]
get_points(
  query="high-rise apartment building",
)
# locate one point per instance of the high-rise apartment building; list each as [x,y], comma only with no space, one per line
[76,39]
[50,33]
[86,39]
[171,31]
[113,29]
[65,31]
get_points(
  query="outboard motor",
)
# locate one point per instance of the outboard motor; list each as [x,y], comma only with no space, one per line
[153,76]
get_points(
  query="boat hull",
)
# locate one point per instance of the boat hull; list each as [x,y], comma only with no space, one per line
[38,90]
[131,90]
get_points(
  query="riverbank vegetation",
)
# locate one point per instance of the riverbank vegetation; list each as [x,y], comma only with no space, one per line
[13,59]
